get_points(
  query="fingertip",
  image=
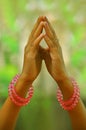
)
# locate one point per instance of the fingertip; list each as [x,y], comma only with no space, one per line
[45,18]
[41,18]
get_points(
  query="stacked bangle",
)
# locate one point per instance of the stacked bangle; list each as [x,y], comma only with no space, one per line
[72,102]
[66,105]
[15,98]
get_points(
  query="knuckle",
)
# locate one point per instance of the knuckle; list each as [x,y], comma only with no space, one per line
[42,23]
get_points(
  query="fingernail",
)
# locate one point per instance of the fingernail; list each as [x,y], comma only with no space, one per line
[44,17]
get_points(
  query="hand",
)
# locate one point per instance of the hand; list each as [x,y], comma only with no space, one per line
[32,59]
[53,54]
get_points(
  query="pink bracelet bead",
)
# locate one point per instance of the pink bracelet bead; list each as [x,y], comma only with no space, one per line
[19,101]
[72,102]
[30,93]
[60,97]
[73,105]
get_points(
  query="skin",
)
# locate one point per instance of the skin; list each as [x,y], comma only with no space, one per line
[33,56]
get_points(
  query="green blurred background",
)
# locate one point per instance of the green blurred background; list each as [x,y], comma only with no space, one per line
[17,17]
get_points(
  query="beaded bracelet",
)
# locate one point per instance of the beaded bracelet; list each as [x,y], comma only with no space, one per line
[15,98]
[72,102]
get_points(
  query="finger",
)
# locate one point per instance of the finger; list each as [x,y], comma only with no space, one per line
[50,34]
[33,30]
[50,26]
[48,41]
[36,25]
[37,41]
[39,30]
[47,30]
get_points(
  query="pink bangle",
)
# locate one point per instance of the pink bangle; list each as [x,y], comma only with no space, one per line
[72,102]
[19,101]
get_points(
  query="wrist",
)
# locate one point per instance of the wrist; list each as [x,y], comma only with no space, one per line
[24,79]
[18,94]
[63,78]
[22,85]
[66,87]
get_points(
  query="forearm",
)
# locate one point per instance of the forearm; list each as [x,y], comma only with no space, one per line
[8,115]
[78,114]
[9,111]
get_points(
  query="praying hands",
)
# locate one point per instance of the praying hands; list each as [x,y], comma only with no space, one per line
[34,53]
